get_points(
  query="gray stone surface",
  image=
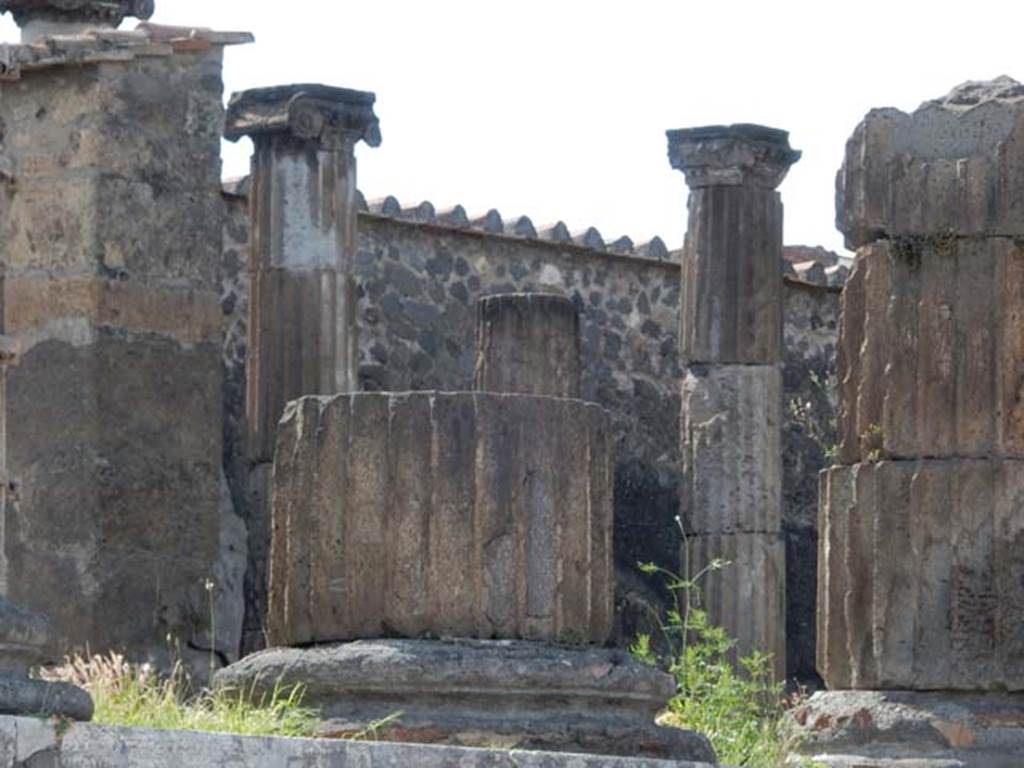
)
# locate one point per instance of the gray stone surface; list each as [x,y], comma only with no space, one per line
[747,594]
[27,742]
[931,341]
[111,244]
[22,696]
[481,693]
[949,166]
[439,514]
[528,343]
[105,12]
[849,729]
[731,445]
[921,580]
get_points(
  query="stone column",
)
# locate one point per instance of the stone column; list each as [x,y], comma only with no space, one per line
[302,331]
[731,342]
[110,241]
[528,343]
[921,549]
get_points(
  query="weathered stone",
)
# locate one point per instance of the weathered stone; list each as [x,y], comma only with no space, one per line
[31,742]
[26,639]
[303,334]
[930,349]
[921,580]
[730,439]
[38,18]
[475,693]
[888,729]
[468,515]
[745,591]
[528,343]
[951,166]
[111,243]
[732,263]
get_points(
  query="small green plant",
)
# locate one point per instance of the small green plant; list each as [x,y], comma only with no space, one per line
[134,695]
[736,704]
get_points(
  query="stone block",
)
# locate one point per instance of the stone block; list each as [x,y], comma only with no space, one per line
[467,515]
[731,444]
[731,300]
[921,575]
[521,695]
[955,165]
[528,343]
[747,594]
[931,339]
[889,729]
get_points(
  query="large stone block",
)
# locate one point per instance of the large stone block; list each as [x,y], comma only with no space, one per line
[731,300]
[468,515]
[956,165]
[921,581]
[931,339]
[743,589]
[731,444]
[528,343]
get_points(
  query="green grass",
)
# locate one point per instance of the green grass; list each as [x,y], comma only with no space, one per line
[737,705]
[133,695]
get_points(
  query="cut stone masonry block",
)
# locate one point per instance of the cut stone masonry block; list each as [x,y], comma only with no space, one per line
[731,444]
[921,581]
[953,165]
[931,340]
[428,514]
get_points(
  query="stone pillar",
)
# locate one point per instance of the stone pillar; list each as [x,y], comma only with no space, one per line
[110,242]
[528,343]
[921,550]
[302,329]
[731,342]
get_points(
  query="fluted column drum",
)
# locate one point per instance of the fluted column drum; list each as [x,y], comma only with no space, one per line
[430,514]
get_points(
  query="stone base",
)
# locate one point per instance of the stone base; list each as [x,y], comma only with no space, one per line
[31,742]
[21,696]
[508,694]
[869,729]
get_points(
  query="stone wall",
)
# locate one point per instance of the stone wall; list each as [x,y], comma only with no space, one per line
[419,274]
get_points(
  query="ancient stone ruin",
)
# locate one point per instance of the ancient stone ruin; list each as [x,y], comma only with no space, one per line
[410,457]
[921,582]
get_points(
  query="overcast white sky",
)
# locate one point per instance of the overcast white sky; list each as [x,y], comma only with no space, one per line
[558,108]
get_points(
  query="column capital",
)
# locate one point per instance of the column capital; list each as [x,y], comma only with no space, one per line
[731,155]
[332,118]
[103,12]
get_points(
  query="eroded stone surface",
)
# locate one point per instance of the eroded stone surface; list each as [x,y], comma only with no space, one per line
[921,581]
[930,349]
[433,514]
[950,166]
[477,693]
[528,343]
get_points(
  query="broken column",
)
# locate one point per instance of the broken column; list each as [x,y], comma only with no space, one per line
[921,564]
[528,343]
[110,240]
[302,331]
[731,343]
[402,519]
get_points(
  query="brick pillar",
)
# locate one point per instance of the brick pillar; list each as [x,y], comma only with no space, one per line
[731,343]
[302,331]
[110,240]
[528,343]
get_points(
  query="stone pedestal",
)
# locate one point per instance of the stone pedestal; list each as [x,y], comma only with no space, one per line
[433,514]
[111,240]
[731,412]
[921,584]
[514,695]
[42,18]
[528,343]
